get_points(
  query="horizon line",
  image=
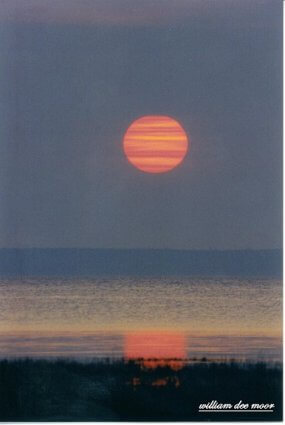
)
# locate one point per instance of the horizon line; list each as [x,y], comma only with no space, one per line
[145,249]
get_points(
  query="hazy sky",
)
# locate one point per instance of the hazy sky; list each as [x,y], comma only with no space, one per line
[75,74]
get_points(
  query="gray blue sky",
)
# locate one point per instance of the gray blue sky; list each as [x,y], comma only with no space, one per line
[75,74]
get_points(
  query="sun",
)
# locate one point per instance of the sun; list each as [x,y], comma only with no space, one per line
[155,143]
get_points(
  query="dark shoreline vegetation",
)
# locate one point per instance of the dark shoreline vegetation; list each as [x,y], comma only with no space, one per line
[118,390]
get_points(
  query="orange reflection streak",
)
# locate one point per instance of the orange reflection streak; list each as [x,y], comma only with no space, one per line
[159,349]
[155,144]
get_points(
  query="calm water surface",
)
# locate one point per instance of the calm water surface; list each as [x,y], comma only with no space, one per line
[136,317]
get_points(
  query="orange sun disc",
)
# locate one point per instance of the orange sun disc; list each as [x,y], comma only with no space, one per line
[155,143]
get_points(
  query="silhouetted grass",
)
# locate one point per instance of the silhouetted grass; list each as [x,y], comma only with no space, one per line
[62,390]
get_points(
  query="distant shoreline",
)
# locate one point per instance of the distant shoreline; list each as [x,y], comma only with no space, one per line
[78,262]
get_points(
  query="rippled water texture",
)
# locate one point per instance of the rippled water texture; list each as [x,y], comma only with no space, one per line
[155,318]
